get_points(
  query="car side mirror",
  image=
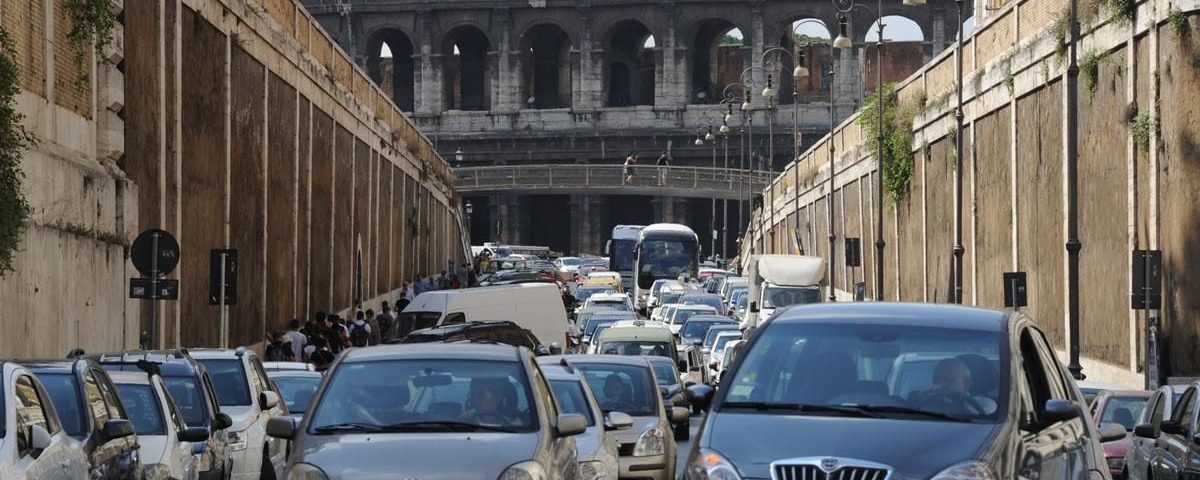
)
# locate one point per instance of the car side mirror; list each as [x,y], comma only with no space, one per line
[570,424]
[118,428]
[753,307]
[1172,427]
[222,421]
[1196,438]
[1145,430]
[1059,410]
[681,365]
[281,427]
[702,395]
[712,365]
[193,435]
[680,414]
[39,441]
[1112,432]
[268,400]
[541,350]
[618,421]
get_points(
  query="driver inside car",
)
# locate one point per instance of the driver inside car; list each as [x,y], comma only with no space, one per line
[950,391]
[487,404]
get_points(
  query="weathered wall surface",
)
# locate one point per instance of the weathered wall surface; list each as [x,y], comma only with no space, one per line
[69,285]
[251,130]
[1132,195]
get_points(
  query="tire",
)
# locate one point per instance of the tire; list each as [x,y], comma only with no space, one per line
[268,470]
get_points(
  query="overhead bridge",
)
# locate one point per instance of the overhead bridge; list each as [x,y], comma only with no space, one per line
[649,180]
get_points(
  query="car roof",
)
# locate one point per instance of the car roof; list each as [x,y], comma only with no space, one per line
[293,374]
[685,306]
[555,371]
[710,318]
[50,365]
[213,353]
[599,297]
[1130,393]
[598,359]
[898,314]
[464,351]
[128,377]
[621,332]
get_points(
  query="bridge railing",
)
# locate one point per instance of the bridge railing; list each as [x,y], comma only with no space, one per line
[724,182]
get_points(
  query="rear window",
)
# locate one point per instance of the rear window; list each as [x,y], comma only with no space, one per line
[143,408]
[1123,411]
[229,379]
[571,399]
[186,393]
[64,395]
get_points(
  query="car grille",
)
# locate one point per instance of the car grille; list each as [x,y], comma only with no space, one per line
[625,449]
[812,472]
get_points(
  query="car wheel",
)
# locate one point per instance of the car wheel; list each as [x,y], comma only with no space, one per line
[682,432]
[268,469]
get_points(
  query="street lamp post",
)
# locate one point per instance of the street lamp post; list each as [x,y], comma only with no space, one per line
[727,102]
[844,42]
[1073,243]
[469,209]
[458,158]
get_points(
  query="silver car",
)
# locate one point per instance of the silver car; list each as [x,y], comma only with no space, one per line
[33,444]
[433,411]
[627,384]
[597,447]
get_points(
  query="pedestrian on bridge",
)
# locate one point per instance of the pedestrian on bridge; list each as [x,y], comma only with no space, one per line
[629,161]
[663,162]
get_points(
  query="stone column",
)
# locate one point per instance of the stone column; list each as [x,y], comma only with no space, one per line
[427,89]
[588,80]
[493,227]
[937,36]
[506,78]
[520,220]
[657,204]
[578,222]
[597,219]
[757,47]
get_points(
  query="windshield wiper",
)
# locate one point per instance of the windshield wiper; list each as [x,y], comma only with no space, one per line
[347,427]
[445,425]
[913,411]
[796,407]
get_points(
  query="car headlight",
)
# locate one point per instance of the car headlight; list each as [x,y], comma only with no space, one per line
[594,470]
[236,440]
[305,471]
[972,470]
[156,471]
[650,443]
[1116,463]
[524,471]
[710,465]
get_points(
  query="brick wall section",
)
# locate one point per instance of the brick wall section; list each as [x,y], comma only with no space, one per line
[72,84]
[25,23]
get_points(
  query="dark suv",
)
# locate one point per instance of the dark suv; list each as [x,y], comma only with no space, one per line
[91,412]
[192,389]
[897,391]
[507,333]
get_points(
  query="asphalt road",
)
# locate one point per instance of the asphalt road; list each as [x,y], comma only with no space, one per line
[685,448]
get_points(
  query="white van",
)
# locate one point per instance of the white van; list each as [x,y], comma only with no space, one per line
[537,307]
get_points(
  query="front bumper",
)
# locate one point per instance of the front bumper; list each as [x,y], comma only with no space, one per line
[658,467]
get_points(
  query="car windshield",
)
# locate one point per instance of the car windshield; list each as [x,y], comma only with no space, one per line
[418,320]
[571,398]
[229,380]
[666,259]
[696,329]
[778,297]
[622,388]
[710,300]
[742,301]
[637,348]
[425,395]
[61,387]
[188,397]
[669,296]
[143,408]
[723,340]
[681,316]
[590,328]
[569,261]
[713,332]
[922,372]
[665,373]
[297,392]
[1123,411]
[613,304]
[584,293]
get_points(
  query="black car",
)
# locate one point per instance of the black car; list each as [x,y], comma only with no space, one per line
[897,391]
[1176,450]
[507,333]
[192,389]
[91,412]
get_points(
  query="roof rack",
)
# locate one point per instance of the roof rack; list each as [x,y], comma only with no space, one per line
[567,365]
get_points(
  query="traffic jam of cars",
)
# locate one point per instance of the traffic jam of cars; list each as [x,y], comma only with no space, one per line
[647,364]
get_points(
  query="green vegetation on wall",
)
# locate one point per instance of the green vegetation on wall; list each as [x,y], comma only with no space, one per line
[1143,128]
[897,137]
[1089,71]
[92,24]
[14,140]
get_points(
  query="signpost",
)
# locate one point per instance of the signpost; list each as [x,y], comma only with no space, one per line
[853,252]
[222,284]
[1015,292]
[1146,294]
[155,254]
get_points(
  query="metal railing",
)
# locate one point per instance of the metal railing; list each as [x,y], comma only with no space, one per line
[646,180]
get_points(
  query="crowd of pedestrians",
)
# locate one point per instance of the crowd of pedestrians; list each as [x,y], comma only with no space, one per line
[321,338]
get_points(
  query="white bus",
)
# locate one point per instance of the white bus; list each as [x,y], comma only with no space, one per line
[664,251]
[620,252]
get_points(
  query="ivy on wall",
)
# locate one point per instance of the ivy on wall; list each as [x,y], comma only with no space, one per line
[14,140]
[897,137]
[92,24]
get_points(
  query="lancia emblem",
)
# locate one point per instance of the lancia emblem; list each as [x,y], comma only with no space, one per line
[829,464]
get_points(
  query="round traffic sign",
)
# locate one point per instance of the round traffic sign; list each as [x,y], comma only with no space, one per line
[152,245]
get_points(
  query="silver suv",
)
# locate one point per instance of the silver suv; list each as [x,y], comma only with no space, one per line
[33,443]
[598,445]
[433,411]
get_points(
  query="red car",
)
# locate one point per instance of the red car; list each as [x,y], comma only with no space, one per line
[1122,407]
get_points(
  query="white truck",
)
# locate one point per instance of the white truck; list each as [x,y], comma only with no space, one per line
[776,281]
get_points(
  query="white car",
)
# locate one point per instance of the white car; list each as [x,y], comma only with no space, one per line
[288,367]
[33,444]
[681,313]
[166,442]
[658,287]
[249,397]
[568,265]
[618,301]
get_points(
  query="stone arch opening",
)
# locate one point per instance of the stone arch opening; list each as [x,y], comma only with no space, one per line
[718,58]
[896,28]
[546,67]
[390,65]
[904,50]
[631,65]
[466,73]
[809,41]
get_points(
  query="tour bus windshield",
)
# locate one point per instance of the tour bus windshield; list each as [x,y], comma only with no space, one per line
[621,256]
[666,259]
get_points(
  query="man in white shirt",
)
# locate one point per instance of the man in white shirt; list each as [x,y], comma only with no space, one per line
[298,340]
